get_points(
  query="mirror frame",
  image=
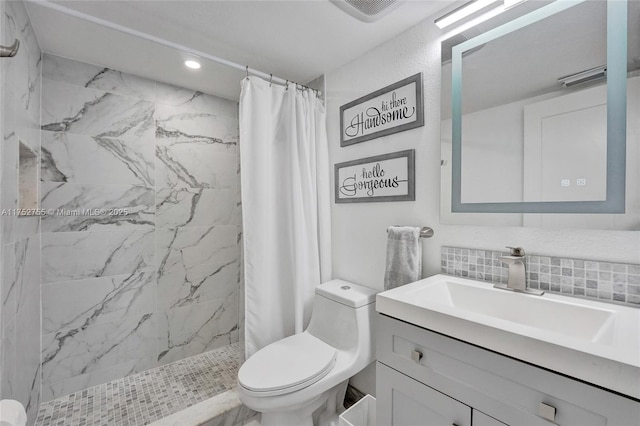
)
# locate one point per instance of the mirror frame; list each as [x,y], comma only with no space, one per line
[616,116]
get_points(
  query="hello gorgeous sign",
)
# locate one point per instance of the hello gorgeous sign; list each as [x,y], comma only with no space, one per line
[392,109]
[388,177]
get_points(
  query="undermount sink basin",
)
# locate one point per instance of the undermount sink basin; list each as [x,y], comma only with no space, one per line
[553,316]
[593,341]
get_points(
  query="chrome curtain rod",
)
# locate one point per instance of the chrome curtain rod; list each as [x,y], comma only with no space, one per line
[121,28]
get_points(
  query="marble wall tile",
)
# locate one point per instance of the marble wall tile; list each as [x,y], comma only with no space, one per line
[20,260]
[194,165]
[81,303]
[195,264]
[78,110]
[8,359]
[20,279]
[16,228]
[241,294]
[60,387]
[78,255]
[26,79]
[193,101]
[195,150]
[195,207]
[96,77]
[96,207]
[191,330]
[27,376]
[26,272]
[9,290]
[122,295]
[90,159]
[9,137]
[92,348]
[177,124]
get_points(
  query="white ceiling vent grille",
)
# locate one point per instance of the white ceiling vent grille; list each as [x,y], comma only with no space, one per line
[367,10]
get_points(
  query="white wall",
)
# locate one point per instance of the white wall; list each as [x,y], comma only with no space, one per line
[358,230]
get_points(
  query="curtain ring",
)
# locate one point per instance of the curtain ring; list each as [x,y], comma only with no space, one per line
[270,79]
[247,69]
[286,85]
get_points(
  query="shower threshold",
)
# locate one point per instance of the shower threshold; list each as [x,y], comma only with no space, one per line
[199,390]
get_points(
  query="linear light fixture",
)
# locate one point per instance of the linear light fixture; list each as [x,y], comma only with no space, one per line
[475,21]
[462,12]
[583,76]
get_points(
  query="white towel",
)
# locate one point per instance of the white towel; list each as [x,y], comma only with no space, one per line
[404,256]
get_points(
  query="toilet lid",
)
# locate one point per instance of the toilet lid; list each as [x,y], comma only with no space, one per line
[294,362]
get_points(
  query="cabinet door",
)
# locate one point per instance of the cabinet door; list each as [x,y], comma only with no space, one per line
[402,401]
[481,419]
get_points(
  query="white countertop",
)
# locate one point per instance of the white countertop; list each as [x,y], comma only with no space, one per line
[609,359]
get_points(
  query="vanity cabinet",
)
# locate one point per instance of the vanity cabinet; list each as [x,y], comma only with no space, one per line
[425,378]
[409,402]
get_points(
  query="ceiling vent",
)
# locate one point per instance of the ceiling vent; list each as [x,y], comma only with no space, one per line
[367,10]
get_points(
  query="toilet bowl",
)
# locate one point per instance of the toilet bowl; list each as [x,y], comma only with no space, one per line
[12,413]
[301,380]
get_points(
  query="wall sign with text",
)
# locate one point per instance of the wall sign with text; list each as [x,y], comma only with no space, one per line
[392,109]
[389,177]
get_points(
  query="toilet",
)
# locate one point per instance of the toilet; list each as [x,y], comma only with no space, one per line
[301,380]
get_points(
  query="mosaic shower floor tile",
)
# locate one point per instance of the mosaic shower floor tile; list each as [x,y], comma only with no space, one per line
[143,398]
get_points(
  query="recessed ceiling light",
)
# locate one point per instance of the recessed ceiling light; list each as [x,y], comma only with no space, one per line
[194,65]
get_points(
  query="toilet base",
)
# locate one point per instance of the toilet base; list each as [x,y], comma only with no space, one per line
[322,411]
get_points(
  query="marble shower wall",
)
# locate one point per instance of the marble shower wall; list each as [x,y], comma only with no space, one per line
[20,240]
[122,293]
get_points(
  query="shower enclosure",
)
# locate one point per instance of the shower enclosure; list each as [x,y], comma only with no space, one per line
[130,259]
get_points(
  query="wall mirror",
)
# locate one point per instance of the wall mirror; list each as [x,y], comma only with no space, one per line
[539,119]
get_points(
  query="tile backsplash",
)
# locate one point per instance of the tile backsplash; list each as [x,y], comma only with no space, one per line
[604,281]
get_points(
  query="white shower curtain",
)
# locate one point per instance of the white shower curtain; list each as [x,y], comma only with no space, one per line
[285,208]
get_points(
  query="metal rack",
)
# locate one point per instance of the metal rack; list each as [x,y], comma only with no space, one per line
[425,232]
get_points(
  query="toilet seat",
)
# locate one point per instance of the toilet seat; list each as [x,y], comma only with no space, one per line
[287,365]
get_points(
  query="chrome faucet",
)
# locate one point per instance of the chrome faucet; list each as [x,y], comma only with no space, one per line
[517,278]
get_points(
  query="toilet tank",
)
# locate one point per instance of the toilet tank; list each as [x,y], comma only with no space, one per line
[342,311]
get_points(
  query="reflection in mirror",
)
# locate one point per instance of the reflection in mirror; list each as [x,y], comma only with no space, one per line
[533,122]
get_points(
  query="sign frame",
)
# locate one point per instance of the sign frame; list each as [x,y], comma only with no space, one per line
[419,110]
[411,187]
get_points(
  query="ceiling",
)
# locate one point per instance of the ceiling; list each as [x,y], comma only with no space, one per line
[295,40]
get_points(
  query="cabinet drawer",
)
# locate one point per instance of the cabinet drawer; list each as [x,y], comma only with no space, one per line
[478,418]
[501,387]
[403,401]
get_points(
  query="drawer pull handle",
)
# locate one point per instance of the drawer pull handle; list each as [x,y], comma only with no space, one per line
[416,355]
[547,412]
